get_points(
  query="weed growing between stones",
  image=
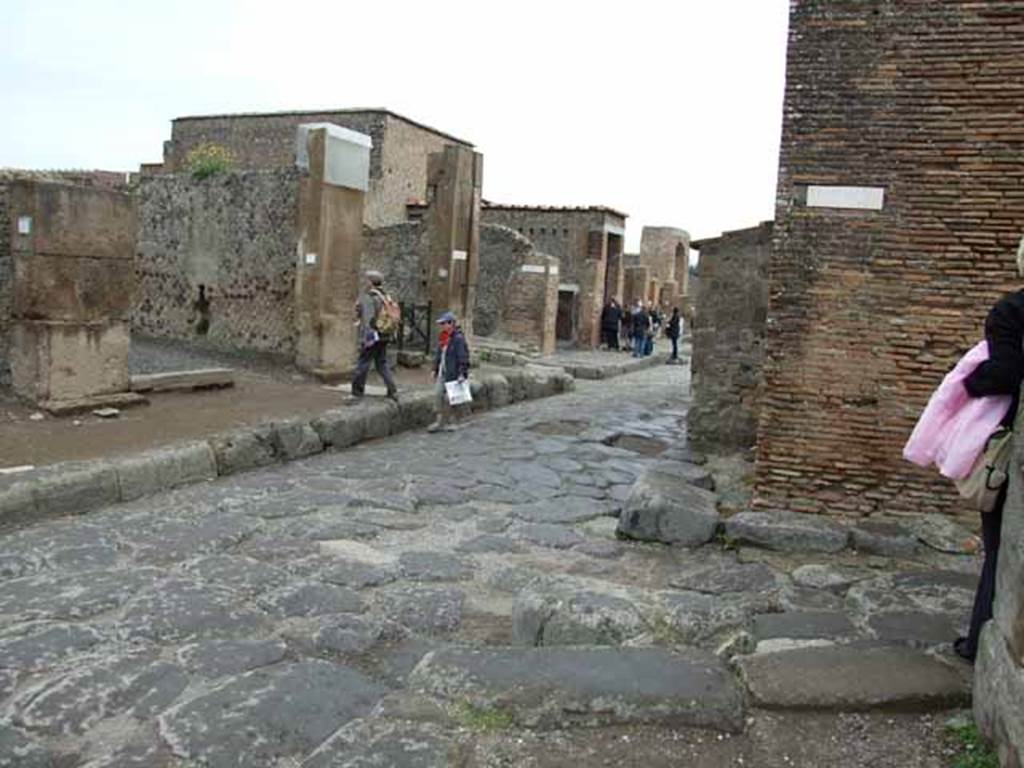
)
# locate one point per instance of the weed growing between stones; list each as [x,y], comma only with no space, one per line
[976,753]
[480,719]
[208,160]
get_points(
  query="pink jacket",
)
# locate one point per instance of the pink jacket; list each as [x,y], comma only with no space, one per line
[952,431]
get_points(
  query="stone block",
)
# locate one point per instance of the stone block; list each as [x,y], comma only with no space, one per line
[664,508]
[72,489]
[855,677]
[884,537]
[1009,603]
[295,440]
[17,504]
[340,428]
[999,696]
[574,617]
[516,379]
[556,687]
[165,468]
[498,390]
[58,361]
[72,289]
[382,418]
[243,450]
[74,221]
[481,395]
[787,532]
[417,409]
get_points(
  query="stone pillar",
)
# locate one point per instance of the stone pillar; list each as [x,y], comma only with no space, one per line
[592,285]
[74,276]
[669,295]
[330,247]
[531,304]
[454,186]
[999,668]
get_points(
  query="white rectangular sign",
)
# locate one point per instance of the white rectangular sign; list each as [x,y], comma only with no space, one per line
[24,225]
[862,198]
[310,258]
[458,255]
[534,268]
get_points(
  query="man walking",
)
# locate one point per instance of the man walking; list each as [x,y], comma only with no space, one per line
[674,331]
[451,363]
[373,335]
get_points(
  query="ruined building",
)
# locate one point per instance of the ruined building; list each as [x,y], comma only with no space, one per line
[224,259]
[588,243]
[899,208]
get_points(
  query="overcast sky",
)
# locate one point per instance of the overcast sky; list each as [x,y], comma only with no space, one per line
[669,111]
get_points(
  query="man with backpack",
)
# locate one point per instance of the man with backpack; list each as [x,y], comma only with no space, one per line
[379,317]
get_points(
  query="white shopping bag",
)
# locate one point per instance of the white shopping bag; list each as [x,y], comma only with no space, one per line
[458,392]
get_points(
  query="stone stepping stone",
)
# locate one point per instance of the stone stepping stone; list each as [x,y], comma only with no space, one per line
[266,716]
[424,610]
[787,532]
[727,576]
[855,677]
[884,537]
[916,628]
[555,687]
[564,510]
[179,609]
[664,508]
[45,645]
[807,625]
[548,535]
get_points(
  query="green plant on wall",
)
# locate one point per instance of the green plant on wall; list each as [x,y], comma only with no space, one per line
[209,159]
[975,753]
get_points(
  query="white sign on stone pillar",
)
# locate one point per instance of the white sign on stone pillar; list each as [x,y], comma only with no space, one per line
[347,156]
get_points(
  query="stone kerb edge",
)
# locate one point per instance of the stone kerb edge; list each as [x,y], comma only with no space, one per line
[74,488]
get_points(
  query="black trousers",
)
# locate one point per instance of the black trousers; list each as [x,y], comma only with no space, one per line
[611,337]
[984,597]
[377,356]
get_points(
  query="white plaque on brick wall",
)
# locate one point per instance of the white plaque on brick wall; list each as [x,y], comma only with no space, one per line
[458,255]
[534,268]
[24,225]
[442,272]
[862,198]
[310,258]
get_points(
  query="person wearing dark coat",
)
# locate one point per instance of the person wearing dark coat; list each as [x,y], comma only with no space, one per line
[627,329]
[451,363]
[611,316]
[373,346]
[641,325]
[1001,374]
[673,331]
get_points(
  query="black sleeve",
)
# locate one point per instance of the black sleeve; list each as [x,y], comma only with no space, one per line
[462,356]
[1003,372]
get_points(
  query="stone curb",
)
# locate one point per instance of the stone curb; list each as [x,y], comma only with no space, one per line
[593,372]
[74,488]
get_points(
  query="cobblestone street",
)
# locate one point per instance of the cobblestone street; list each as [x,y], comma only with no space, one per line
[462,599]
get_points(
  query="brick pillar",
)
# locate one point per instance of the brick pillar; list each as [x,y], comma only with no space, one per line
[454,185]
[330,248]
[530,304]
[591,296]
[74,278]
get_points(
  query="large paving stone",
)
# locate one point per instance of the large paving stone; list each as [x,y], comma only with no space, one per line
[787,532]
[489,543]
[942,592]
[72,488]
[44,645]
[563,510]
[17,750]
[312,599]
[566,616]
[827,577]
[725,576]
[424,610]
[944,534]
[664,508]
[434,566]
[295,440]
[164,541]
[356,574]
[917,628]
[803,625]
[530,474]
[74,596]
[860,676]
[549,535]
[220,658]
[705,620]
[377,743]
[136,684]
[266,716]
[243,575]
[884,537]
[182,609]
[556,687]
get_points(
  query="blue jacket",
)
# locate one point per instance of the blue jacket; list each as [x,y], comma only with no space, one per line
[456,357]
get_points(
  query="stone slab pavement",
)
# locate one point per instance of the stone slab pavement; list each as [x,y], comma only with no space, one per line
[457,599]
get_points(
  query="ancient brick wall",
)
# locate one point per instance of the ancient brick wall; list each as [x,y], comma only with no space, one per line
[870,308]
[236,235]
[728,339]
[398,160]
[399,252]
[665,250]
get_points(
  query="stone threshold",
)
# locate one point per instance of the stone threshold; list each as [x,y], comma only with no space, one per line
[594,371]
[75,488]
